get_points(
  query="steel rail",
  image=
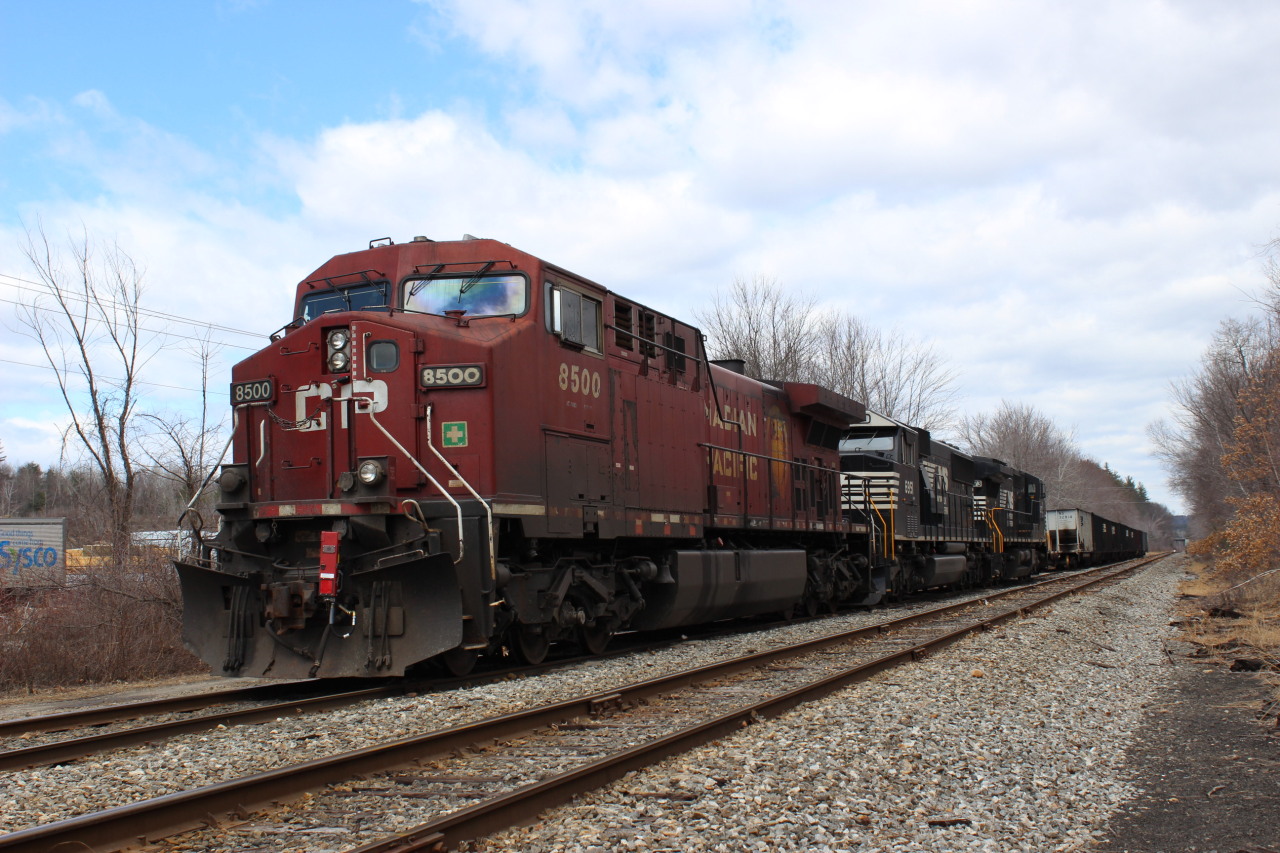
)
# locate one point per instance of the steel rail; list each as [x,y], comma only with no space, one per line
[73,748]
[132,710]
[79,747]
[155,818]
[70,749]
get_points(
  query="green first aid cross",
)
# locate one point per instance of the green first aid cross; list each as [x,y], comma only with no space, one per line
[454,433]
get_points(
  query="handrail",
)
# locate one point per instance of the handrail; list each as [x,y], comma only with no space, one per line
[887,527]
[790,462]
[884,526]
[831,472]
[367,404]
[997,535]
[893,529]
[488,510]
[844,484]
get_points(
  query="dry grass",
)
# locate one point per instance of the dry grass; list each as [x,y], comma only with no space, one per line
[1200,584]
[1227,622]
[115,623]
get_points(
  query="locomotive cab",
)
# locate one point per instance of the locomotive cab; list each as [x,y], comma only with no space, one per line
[879,463]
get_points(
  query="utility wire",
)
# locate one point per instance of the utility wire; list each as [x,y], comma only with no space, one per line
[210,390]
[140,328]
[41,289]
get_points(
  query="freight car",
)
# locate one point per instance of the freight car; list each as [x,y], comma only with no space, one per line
[1079,538]
[459,449]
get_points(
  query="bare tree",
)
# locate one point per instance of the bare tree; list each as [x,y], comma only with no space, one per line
[1026,438]
[182,448]
[767,326]
[1207,406]
[86,324]
[8,490]
[782,335]
[892,373]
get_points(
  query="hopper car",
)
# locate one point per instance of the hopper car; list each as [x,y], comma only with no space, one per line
[1077,538]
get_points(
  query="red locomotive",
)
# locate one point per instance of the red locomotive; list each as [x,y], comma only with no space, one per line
[458,449]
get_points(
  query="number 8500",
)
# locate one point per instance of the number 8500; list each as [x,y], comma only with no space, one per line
[579,380]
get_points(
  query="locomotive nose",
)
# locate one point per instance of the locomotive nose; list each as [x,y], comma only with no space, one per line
[241,626]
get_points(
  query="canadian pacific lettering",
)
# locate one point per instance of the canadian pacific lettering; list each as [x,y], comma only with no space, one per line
[749,420]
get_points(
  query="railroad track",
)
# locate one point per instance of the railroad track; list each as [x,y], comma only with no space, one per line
[71,735]
[470,780]
[172,717]
[67,736]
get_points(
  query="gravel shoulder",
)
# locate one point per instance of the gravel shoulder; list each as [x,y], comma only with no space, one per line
[38,795]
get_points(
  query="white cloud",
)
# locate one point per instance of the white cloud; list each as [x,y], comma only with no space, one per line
[1063,198]
[31,440]
[97,104]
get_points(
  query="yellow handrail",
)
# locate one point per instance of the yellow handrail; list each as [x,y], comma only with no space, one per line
[997,535]
[884,525]
[893,528]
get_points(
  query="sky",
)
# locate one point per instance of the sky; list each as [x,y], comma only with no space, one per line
[1064,199]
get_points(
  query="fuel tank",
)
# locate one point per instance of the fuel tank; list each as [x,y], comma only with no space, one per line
[704,586]
[941,571]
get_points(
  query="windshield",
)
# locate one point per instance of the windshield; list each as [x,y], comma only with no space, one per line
[363,297]
[882,442]
[487,296]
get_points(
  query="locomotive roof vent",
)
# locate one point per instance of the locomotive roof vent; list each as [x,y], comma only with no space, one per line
[421,239]
[469,237]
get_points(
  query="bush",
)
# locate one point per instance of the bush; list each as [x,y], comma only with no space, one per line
[116,622]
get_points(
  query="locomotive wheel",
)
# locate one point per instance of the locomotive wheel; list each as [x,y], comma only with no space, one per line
[459,662]
[594,638]
[530,644]
[897,585]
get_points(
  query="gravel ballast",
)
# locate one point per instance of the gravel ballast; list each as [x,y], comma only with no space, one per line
[37,796]
[1013,740]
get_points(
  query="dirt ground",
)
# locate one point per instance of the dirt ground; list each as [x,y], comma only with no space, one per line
[52,701]
[1208,752]
[1208,765]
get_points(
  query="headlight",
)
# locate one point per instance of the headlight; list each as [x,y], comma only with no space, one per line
[338,344]
[370,472]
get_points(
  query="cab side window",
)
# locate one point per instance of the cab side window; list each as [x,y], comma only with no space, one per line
[575,317]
